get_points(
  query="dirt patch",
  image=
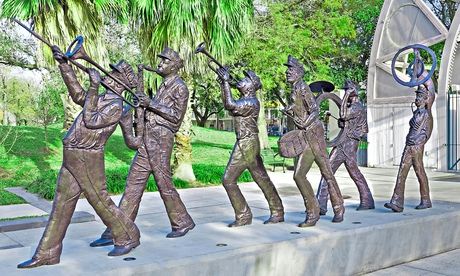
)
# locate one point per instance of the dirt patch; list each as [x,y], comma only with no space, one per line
[4,173]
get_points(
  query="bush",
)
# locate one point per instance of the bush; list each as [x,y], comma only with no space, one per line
[212,174]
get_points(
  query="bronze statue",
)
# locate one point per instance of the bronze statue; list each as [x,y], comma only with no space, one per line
[163,117]
[305,112]
[246,152]
[353,115]
[420,127]
[82,169]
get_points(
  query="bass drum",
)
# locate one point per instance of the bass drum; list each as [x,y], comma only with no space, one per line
[336,99]
[292,144]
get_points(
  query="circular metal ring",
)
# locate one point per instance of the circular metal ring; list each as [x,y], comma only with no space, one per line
[76,44]
[336,99]
[417,82]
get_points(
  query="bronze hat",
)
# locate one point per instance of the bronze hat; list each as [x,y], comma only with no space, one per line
[254,78]
[126,71]
[172,55]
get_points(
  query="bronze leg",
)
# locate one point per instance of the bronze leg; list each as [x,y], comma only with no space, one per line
[235,167]
[397,200]
[136,182]
[91,176]
[66,198]
[300,177]
[351,164]
[425,201]
[260,176]
[336,159]
[159,151]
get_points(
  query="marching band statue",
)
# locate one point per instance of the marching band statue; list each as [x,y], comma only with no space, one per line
[82,169]
[305,111]
[163,117]
[246,152]
[421,126]
[353,114]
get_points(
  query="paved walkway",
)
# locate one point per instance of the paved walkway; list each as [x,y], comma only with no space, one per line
[211,211]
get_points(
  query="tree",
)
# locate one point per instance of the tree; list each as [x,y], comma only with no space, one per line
[60,22]
[182,25]
[206,99]
[48,104]
[444,9]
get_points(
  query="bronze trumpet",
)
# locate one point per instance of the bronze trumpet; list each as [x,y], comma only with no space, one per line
[202,49]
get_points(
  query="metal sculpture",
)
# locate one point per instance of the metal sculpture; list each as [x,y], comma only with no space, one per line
[246,151]
[82,170]
[305,113]
[163,117]
[353,119]
[421,127]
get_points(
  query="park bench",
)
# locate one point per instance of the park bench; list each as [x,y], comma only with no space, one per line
[273,159]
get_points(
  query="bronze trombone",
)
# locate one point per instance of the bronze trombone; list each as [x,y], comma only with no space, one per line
[76,51]
[202,49]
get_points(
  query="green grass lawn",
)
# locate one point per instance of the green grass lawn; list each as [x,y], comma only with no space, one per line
[29,164]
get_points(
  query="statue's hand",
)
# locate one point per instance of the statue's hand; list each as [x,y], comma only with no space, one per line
[144,100]
[94,76]
[223,74]
[58,55]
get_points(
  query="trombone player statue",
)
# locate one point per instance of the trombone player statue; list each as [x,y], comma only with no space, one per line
[305,113]
[82,168]
[353,114]
[163,117]
[420,129]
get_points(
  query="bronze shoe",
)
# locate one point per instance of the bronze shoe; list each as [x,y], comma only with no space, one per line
[322,211]
[176,233]
[338,213]
[241,222]
[393,207]
[119,250]
[309,222]
[424,204]
[362,207]
[36,262]
[276,218]
[101,242]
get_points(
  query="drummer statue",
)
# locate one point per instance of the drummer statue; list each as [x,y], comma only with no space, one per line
[246,152]
[420,129]
[305,112]
[352,115]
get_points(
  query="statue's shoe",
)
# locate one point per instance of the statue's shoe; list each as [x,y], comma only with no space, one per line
[101,242]
[275,219]
[309,222]
[362,207]
[176,233]
[241,222]
[36,262]
[339,211]
[322,211]
[119,250]
[424,205]
[393,207]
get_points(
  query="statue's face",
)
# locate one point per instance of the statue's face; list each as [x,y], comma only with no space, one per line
[421,99]
[166,67]
[114,86]
[292,74]
[245,86]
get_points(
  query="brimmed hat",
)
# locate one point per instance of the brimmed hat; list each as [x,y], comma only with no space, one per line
[321,86]
[172,55]
[126,71]
[254,78]
[293,62]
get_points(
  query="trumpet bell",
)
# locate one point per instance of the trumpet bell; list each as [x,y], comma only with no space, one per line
[75,50]
[201,48]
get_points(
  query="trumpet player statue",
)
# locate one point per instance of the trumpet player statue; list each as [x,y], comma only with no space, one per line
[82,168]
[246,152]
[353,114]
[305,111]
[420,128]
[163,117]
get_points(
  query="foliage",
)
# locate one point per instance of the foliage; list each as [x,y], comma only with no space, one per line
[30,165]
[444,10]
[14,49]
[206,99]
[16,97]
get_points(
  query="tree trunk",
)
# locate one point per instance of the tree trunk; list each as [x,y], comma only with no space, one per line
[262,123]
[183,148]
[71,110]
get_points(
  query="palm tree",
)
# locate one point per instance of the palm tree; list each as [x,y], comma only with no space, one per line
[60,21]
[182,25]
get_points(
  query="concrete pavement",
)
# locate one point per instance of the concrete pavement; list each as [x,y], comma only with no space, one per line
[365,241]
